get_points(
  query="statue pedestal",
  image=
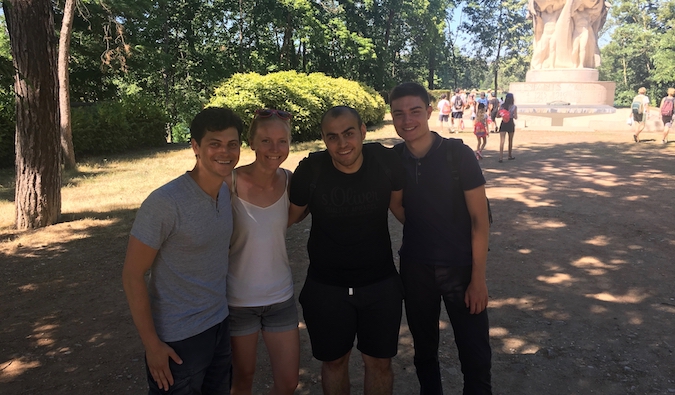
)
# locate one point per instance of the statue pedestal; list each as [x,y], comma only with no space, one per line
[549,96]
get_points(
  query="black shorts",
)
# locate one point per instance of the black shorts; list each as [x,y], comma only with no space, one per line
[458,114]
[637,117]
[334,318]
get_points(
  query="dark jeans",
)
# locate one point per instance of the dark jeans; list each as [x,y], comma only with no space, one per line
[424,287]
[206,367]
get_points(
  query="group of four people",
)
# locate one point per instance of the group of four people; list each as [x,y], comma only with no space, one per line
[190,230]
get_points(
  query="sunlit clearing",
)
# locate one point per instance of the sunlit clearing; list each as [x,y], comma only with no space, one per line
[633,296]
[15,367]
[600,241]
[591,174]
[558,278]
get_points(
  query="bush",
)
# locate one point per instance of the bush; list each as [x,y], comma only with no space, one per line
[307,97]
[7,128]
[109,127]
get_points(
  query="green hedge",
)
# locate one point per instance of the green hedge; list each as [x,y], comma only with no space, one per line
[109,127]
[307,97]
[101,128]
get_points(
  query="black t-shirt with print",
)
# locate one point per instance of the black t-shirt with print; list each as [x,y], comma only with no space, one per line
[349,243]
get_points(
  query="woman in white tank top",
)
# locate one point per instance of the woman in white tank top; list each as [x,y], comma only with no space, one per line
[259,282]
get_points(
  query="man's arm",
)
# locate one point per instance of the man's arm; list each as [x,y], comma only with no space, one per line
[396,205]
[138,261]
[297,213]
[476,297]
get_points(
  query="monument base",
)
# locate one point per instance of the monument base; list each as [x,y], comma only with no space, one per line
[566,75]
[574,93]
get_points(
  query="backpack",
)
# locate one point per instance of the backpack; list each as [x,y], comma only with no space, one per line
[459,104]
[637,107]
[452,157]
[446,108]
[667,107]
[504,114]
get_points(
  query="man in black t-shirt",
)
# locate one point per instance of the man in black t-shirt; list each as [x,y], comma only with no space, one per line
[352,287]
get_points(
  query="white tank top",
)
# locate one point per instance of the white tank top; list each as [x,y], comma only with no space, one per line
[259,273]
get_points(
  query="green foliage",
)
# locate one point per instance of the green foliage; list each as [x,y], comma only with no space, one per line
[118,126]
[7,127]
[307,97]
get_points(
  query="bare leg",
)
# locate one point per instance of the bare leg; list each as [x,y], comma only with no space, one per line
[284,350]
[639,127]
[511,144]
[484,142]
[665,134]
[244,351]
[502,137]
[379,377]
[335,376]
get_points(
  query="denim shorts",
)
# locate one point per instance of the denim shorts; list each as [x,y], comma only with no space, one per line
[278,317]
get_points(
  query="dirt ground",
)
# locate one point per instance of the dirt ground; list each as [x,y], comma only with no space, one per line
[581,273]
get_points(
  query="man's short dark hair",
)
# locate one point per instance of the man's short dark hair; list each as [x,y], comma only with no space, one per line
[215,119]
[339,111]
[409,89]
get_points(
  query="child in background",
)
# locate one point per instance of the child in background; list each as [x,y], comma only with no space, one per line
[480,130]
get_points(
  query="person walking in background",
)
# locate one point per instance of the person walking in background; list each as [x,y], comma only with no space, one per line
[482,99]
[444,110]
[445,242]
[492,109]
[259,281]
[666,107]
[352,289]
[181,235]
[640,112]
[458,105]
[480,130]
[509,113]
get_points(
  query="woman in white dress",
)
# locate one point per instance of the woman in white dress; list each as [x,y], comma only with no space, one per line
[259,282]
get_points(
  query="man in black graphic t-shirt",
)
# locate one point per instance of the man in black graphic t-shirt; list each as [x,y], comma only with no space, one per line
[352,287]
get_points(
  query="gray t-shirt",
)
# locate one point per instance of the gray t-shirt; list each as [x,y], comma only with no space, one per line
[191,231]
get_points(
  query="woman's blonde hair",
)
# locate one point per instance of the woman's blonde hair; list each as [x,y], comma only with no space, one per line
[671,91]
[642,90]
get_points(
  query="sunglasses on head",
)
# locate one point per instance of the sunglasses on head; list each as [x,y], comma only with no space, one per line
[268,112]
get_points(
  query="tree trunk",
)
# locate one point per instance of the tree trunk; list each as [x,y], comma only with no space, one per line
[30,24]
[64,84]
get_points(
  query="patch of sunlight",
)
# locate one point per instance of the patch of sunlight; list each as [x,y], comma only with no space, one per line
[666,308]
[597,309]
[28,287]
[634,318]
[600,241]
[527,196]
[301,325]
[521,303]
[556,315]
[443,324]
[632,296]
[595,192]
[592,265]
[525,250]
[15,367]
[635,198]
[550,224]
[558,278]
[29,244]
[499,331]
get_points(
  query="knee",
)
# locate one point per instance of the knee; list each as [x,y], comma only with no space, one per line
[377,365]
[337,364]
[287,385]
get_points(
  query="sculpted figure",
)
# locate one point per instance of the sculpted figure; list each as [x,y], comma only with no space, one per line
[565,33]
[544,14]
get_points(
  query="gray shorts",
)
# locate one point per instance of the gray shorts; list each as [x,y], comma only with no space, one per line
[278,317]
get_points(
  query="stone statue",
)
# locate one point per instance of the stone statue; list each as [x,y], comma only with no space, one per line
[566,33]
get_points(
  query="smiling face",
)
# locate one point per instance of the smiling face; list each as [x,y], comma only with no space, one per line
[411,118]
[217,153]
[344,137]
[271,142]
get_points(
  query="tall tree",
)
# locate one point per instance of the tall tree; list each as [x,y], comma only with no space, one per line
[64,84]
[30,24]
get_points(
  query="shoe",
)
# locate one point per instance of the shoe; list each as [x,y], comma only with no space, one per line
[664,142]
[480,154]
[500,161]
[512,157]
[635,138]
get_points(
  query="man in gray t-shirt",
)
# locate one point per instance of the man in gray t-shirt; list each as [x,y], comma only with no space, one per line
[181,235]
